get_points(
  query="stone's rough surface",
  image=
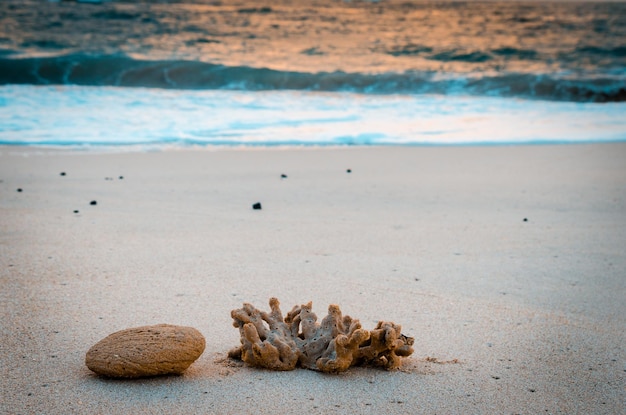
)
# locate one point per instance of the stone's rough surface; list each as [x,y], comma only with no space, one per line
[162,349]
[270,341]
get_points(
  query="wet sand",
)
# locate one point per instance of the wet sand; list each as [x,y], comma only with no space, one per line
[505,263]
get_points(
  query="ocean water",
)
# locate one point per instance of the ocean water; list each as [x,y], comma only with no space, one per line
[310,72]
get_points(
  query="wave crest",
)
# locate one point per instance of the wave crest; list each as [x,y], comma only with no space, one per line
[123,71]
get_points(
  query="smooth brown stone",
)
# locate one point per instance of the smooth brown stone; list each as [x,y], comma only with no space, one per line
[162,349]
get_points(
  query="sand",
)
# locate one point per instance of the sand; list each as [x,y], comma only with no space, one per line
[507,264]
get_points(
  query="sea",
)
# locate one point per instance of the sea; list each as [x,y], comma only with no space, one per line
[186,73]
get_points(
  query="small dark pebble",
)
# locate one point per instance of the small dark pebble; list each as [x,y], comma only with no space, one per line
[19,190]
[532,390]
[349,171]
[121,177]
[76,211]
[525,219]
[256,206]
[93,203]
[108,178]
[496,377]
[283,176]
[62,173]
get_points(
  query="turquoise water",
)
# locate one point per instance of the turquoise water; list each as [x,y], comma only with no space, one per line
[311,73]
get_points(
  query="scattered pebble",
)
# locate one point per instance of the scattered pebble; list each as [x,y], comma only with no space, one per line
[256,206]
[283,176]
[93,203]
[121,177]
[76,211]
[19,190]
[349,171]
[62,173]
[525,219]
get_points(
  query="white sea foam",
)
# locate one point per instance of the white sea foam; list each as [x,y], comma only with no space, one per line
[108,116]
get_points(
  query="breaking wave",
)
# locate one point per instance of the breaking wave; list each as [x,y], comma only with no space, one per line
[124,71]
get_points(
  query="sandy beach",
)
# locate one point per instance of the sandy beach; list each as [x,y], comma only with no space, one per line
[507,264]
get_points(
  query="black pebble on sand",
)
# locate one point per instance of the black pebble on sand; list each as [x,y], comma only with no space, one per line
[62,173]
[76,211]
[121,177]
[93,203]
[525,219]
[349,171]
[256,206]
[20,190]
[283,176]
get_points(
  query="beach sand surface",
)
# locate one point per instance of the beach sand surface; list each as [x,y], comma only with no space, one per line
[507,264]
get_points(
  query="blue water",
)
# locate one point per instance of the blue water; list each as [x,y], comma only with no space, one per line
[149,117]
[158,74]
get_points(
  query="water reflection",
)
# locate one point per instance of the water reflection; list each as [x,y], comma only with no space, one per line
[328,35]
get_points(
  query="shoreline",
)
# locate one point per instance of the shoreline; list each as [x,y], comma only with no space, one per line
[433,238]
[71,149]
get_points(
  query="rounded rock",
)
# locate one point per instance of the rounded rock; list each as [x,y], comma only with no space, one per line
[162,349]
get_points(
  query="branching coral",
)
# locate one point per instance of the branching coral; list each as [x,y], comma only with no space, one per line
[270,341]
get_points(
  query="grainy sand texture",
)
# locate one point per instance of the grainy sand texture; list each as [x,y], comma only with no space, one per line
[507,264]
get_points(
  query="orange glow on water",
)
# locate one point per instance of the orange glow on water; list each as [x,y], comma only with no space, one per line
[331,35]
[364,37]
